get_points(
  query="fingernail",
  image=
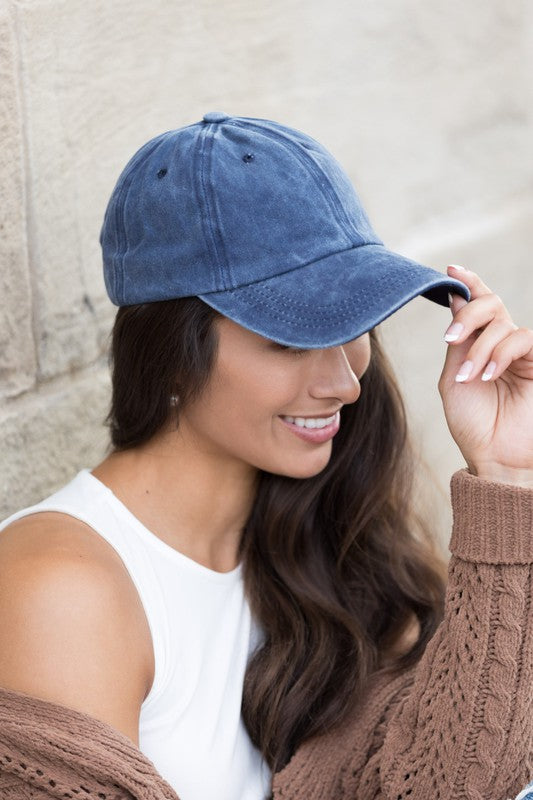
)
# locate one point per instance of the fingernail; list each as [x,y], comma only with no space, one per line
[464,371]
[489,371]
[457,266]
[450,299]
[453,332]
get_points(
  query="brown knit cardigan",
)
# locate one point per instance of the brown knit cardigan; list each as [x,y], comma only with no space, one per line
[459,725]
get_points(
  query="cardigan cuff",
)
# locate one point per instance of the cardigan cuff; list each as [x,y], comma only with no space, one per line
[492,522]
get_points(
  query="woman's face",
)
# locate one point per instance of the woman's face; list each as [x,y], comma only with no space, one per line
[256,384]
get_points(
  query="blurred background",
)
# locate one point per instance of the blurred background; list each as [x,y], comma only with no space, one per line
[427,105]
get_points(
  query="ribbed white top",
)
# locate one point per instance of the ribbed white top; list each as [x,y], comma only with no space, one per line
[202,633]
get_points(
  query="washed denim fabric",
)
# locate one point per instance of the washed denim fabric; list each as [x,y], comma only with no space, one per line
[527,793]
[263,224]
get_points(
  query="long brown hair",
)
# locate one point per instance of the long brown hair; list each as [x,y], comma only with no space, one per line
[337,567]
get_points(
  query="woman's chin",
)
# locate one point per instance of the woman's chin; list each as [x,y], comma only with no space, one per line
[305,468]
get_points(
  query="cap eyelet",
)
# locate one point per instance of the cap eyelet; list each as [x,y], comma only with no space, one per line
[247,157]
[162,172]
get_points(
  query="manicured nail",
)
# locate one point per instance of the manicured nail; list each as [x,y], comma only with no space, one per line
[489,371]
[453,332]
[457,266]
[464,371]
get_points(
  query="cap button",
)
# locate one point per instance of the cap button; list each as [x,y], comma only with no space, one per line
[215,116]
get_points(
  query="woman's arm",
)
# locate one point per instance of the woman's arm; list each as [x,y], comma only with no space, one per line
[68,628]
[466,728]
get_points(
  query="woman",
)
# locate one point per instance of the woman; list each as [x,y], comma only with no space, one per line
[259,612]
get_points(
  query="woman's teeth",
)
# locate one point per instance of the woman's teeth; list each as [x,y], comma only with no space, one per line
[311,422]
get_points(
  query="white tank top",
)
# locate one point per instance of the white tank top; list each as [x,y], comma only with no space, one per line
[190,723]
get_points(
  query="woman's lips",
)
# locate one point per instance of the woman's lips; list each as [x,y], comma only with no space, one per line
[314,435]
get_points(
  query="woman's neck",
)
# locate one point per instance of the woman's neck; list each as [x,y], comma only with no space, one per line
[195,501]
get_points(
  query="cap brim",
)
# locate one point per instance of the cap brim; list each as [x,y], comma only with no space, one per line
[335,299]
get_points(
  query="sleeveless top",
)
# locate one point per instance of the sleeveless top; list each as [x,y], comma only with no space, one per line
[203,633]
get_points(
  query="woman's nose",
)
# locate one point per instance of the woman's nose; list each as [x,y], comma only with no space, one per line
[334,377]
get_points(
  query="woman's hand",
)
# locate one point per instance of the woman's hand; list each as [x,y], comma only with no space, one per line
[490,419]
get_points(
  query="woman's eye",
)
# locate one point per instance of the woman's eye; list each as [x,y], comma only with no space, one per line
[296,350]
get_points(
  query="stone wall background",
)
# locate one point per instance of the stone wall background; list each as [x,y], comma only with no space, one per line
[428,106]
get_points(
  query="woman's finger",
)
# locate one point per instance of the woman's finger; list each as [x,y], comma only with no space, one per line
[519,344]
[471,279]
[456,302]
[476,314]
[470,363]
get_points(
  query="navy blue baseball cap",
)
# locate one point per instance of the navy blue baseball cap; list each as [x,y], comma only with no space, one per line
[262,223]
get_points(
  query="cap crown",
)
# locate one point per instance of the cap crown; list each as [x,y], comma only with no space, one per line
[224,203]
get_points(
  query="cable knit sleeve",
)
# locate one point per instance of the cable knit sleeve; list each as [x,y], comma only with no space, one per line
[459,726]
[465,731]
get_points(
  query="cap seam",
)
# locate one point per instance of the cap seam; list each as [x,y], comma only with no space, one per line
[287,302]
[285,310]
[314,311]
[216,245]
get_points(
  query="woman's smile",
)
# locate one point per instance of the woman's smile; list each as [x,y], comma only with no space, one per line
[313,429]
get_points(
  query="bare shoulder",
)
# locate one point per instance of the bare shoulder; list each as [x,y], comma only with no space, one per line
[72,627]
